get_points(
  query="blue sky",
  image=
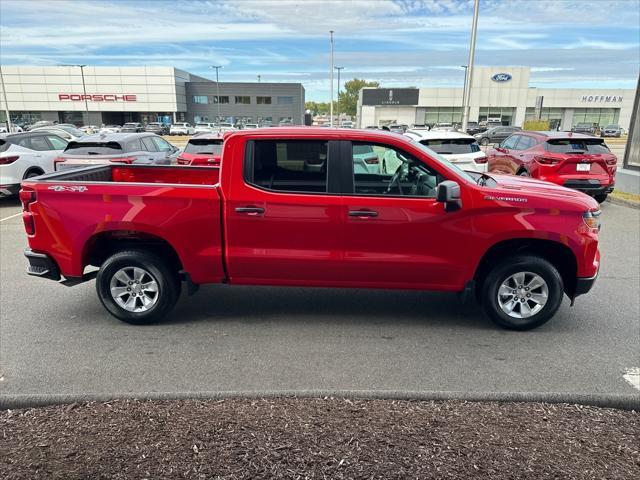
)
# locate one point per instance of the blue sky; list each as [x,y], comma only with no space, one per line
[581,43]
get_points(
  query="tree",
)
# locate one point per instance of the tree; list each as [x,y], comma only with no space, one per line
[317,108]
[348,98]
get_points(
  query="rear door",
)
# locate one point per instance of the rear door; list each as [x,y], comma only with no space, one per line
[283,221]
[396,235]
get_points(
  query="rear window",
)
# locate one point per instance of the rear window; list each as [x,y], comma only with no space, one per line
[452,145]
[4,145]
[93,148]
[210,147]
[571,145]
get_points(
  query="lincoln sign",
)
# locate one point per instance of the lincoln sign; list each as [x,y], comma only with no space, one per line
[99,97]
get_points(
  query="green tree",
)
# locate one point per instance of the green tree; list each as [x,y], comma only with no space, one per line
[348,98]
[317,108]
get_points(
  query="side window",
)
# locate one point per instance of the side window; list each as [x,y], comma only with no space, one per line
[380,170]
[57,142]
[135,146]
[525,142]
[162,145]
[289,166]
[148,144]
[510,143]
[38,143]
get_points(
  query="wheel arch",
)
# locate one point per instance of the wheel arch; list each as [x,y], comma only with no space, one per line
[33,169]
[558,254]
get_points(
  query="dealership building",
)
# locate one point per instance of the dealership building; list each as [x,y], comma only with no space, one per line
[497,92]
[115,95]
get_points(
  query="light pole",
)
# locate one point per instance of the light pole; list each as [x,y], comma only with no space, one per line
[338,99]
[84,92]
[331,79]
[6,105]
[464,89]
[469,75]
[217,67]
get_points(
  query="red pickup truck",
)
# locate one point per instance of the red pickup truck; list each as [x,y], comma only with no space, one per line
[287,207]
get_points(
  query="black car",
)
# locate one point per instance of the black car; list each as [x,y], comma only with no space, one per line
[473,128]
[495,134]
[157,128]
[132,127]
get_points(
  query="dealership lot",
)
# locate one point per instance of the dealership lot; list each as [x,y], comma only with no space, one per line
[59,340]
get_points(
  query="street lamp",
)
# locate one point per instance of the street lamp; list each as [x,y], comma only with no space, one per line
[464,89]
[338,101]
[84,91]
[217,67]
[469,71]
[331,79]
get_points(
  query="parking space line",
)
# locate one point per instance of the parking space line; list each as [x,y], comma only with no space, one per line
[10,217]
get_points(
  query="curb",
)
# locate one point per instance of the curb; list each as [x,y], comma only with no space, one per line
[622,402]
[623,202]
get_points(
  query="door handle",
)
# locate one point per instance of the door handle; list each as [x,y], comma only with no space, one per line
[363,213]
[250,210]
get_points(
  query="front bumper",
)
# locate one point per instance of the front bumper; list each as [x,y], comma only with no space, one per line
[41,265]
[590,187]
[583,285]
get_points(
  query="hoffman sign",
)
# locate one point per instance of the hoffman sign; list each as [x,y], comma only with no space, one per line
[107,97]
[602,98]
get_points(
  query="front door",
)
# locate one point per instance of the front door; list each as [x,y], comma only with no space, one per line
[396,234]
[283,225]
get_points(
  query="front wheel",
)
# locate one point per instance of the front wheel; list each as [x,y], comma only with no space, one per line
[601,198]
[137,287]
[522,292]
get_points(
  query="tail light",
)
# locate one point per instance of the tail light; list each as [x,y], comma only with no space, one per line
[57,161]
[481,160]
[372,161]
[182,161]
[9,160]
[592,219]
[547,160]
[127,160]
[27,197]
[611,161]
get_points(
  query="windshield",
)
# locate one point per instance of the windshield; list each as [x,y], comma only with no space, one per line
[93,148]
[210,147]
[613,127]
[446,163]
[574,145]
[450,146]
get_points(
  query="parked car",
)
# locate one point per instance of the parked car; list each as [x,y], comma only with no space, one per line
[458,148]
[612,130]
[181,128]
[26,155]
[495,134]
[516,243]
[88,129]
[347,124]
[203,149]
[366,160]
[226,127]
[132,127]
[63,131]
[251,125]
[202,127]
[14,128]
[443,127]
[157,128]
[587,128]
[473,128]
[577,161]
[41,123]
[137,148]
[395,128]
[110,129]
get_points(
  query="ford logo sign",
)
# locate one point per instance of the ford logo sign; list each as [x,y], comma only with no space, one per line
[501,77]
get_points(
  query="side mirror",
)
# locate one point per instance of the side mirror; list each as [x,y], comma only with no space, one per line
[448,192]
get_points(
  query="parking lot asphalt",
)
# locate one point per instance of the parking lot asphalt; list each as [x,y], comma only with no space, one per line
[59,340]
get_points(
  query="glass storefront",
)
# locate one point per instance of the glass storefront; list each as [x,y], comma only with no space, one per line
[553,115]
[600,116]
[505,114]
[435,115]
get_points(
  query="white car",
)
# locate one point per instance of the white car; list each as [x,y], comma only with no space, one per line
[347,124]
[444,127]
[90,129]
[459,148]
[110,129]
[26,155]
[248,126]
[226,127]
[205,128]
[181,128]
[14,128]
[68,133]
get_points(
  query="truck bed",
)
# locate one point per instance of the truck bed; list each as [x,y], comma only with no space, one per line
[76,213]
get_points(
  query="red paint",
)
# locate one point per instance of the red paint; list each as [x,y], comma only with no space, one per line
[200,160]
[307,239]
[109,97]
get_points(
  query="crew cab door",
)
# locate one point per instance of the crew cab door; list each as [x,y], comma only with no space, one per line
[283,223]
[395,233]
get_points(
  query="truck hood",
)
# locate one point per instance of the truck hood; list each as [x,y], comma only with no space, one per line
[515,185]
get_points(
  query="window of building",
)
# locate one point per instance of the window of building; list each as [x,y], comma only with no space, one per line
[600,116]
[383,171]
[285,120]
[263,100]
[221,99]
[285,100]
[505,114]
[292,166]
[243,100]
[435,115]
[201,99]
[266,121]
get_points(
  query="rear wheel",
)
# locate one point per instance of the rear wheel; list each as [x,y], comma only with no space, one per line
[601,198]
[137,287]
[484,141]
[524,173]
[522,292]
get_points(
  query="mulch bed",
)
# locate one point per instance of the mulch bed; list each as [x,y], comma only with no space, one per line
[318,438]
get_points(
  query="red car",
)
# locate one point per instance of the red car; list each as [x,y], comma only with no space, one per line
[574,160]
[289,208]
[202,150]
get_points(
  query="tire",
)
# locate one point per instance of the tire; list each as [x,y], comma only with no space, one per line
[119,267]
[32,174]
[534,268]
[524,173]
[484,141]
[601,198]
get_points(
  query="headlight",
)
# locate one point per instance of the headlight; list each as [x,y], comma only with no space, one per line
[592,219]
